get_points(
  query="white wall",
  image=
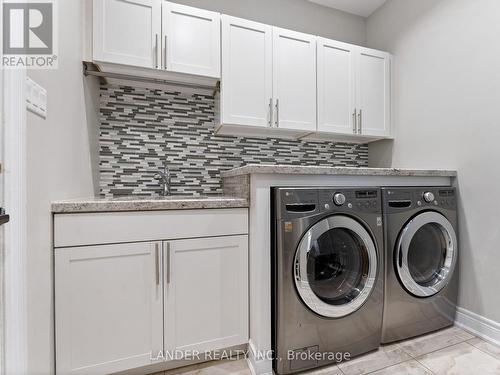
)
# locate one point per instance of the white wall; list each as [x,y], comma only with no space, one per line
[447,95]
[59,167]
[299,15]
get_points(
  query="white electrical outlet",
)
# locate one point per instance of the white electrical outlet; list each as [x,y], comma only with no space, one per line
[36,98]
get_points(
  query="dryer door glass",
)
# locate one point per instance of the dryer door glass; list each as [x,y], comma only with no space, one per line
[426,254]
[335,266]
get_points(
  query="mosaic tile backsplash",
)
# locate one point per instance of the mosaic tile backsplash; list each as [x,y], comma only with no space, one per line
[142,127]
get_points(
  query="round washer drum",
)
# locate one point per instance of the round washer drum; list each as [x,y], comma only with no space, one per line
[335,266]
[426,254]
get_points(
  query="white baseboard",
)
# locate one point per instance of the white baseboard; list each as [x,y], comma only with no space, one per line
[485,328]
[258,366]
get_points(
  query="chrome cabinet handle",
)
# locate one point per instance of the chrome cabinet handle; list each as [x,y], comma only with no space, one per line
[168,262]
[360,124]
[165,54]
[277,113]
[270,113]
[156,51]
[354,123]
[157,263]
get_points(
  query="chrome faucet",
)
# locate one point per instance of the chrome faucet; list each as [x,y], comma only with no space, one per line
[165,178]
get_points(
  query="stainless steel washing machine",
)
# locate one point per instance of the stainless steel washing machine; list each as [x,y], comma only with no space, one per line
[327,268]
[421,279]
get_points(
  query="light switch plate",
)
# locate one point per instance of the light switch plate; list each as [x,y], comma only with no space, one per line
[36,98]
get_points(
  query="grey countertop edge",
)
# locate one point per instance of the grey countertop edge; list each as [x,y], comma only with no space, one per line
[88,205]
[346,171]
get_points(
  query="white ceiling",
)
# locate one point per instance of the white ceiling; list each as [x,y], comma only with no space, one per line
[360,7]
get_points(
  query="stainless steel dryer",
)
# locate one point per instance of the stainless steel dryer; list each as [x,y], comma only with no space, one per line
[327,268]
[421,280]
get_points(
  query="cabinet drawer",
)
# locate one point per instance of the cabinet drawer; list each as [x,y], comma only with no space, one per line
[116,227]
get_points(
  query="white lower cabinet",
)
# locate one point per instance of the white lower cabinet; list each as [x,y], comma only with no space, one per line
[108,306]
[119,305]
[206,293]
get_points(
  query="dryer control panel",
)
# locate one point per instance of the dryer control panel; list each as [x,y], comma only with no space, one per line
[300,202]
[400,199]
[359,200]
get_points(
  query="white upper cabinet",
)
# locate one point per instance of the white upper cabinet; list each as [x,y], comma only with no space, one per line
[157,34]
[294,80]
[274,82]
[354,90]
[246,85]
[336,86]
[127,32]
[191,40]
[109,307]
[374,92]
[206,293]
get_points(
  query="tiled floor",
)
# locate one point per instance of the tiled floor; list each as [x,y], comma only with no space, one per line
[450,351]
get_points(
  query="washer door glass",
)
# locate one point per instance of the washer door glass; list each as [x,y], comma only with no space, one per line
[426,254]
[335,266]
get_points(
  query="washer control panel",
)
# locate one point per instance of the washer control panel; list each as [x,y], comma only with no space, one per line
[360,200]
[429,196]
[339,199]
[447,198]
[300,202]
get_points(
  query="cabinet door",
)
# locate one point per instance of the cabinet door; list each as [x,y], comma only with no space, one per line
[206,293]
[191,40]
[246,91]
[374,92]
[336,86]
[294,80]
[108,307]
[127,32]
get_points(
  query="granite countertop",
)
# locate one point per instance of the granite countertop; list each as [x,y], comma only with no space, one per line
[350,171]
[146,204]
[225,201]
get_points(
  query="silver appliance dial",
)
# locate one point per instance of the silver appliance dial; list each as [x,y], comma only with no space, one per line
[428,197]
[339,199]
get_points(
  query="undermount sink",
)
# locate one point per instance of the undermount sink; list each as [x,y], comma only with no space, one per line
[181,197]
[169,198]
